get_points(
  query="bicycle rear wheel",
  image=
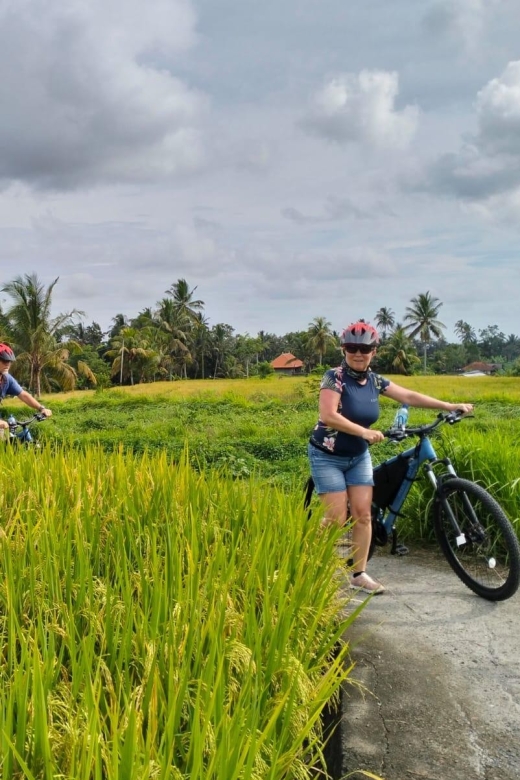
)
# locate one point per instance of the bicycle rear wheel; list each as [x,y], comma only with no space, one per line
[486,555]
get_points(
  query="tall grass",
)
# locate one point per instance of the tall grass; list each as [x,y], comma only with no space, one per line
[156,622]
[491,458]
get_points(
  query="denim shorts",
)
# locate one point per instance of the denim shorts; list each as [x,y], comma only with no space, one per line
[335,473]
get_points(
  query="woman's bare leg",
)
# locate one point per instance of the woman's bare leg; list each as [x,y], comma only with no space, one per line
[360,501]
[335,508]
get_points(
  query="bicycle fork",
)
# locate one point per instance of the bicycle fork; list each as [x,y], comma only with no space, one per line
[460,536]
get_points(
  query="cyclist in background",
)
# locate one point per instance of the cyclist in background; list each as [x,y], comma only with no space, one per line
[340,462]
[9,386]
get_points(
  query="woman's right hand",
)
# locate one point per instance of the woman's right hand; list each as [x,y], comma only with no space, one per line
[3,424]
[372,437]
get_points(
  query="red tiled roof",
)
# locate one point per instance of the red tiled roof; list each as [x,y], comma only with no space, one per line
[478,366]
[286,360]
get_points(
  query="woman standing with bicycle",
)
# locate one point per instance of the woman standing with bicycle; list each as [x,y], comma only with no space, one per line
[9,386]
[340,462]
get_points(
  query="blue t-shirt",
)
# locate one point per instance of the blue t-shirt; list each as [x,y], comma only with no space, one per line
[9,386]
[358,403]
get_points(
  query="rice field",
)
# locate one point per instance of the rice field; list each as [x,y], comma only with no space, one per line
[471,389]
[260,427]
[157,614]
[157,622]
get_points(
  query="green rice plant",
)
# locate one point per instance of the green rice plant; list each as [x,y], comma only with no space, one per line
[160,622]
[492,459]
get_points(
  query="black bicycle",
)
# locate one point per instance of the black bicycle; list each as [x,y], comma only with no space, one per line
[473,531]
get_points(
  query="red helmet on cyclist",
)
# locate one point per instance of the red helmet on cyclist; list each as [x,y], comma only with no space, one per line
[360,332]
[6,353]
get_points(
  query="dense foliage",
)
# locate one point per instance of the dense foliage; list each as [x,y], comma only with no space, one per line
[173,340]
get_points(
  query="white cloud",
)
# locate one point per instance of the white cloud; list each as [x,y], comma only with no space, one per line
[81,99]
[485,172]
[361,108]
[498,110]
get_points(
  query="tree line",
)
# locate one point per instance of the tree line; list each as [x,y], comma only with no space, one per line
[174,340]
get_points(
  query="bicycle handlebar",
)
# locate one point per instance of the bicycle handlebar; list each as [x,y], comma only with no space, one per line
[397,434]
[37,417]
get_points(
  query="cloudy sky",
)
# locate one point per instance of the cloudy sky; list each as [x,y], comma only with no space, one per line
[291,158]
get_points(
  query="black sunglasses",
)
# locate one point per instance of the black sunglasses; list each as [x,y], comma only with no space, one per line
[365,349]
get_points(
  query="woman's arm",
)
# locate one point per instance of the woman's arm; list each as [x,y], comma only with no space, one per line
[329,415]
[28,399]
[410,397]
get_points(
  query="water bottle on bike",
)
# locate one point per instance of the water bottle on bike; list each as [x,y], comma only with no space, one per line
[401,418]
[11,421]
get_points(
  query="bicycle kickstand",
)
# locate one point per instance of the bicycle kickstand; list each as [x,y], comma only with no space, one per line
[397,547]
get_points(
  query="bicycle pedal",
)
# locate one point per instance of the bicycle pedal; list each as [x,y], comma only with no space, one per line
[400,549]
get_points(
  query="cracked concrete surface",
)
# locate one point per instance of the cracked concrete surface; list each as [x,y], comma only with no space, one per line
[438,678]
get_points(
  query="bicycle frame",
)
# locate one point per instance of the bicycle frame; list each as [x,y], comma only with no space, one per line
[473,532]
[422,452]
[19,429]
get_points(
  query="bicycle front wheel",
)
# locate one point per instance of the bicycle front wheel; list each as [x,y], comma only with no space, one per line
[484,553]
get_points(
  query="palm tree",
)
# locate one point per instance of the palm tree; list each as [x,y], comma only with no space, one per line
[422,319]
[35,333]
[120,321]
[262,341]
[144,319]
[245,349]
[221,337]
[176,328]
[184,305]
[4,326]
[320,336]
[397,354]
[202,338]
[511,348]
[385,320]
[130,352]
[465,332]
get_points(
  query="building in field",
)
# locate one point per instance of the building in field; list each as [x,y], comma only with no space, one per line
[287,364]
[481,369]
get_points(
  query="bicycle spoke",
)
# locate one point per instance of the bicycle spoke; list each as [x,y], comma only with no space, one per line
[485,554]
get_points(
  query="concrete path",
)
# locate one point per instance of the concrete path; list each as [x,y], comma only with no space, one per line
[439,678]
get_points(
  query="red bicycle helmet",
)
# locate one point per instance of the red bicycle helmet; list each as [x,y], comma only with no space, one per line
[360,332]
[6,353]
